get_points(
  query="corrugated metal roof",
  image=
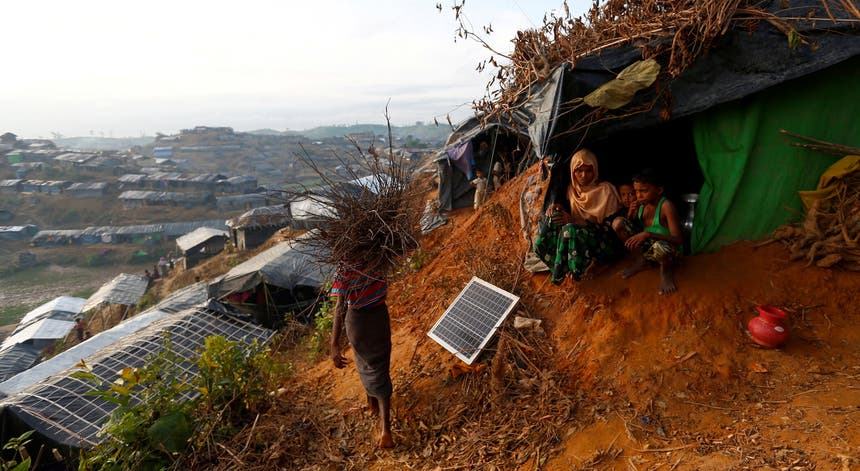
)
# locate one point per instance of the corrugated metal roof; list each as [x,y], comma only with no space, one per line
[67,304]
[59,408]
[199,236]
[57,233]
[43,329]
[184,298]
[87,186]
[176,229]
[265,216]
[285,265]
[252,197]
[241,179]
[68,358]
[16,359]
[132,178]
[143,195]
[125,289]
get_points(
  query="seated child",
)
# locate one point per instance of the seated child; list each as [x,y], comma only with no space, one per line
[626,213]
[661,241]
[480,184]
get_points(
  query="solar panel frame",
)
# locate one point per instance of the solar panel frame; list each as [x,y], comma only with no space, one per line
[478,321]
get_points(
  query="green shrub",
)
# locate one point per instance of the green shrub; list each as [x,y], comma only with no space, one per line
[323,322]
[233,382]
[17,444]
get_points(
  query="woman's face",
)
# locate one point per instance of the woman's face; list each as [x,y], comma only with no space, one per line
[584,174]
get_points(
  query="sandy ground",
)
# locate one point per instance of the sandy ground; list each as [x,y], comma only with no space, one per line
[619,377]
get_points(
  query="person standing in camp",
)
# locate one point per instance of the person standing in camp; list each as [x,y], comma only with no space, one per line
[661,240]
[80,327]
[361,291]
[576,234]
[480,184]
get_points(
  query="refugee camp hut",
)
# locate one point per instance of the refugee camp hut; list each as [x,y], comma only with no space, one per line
[172,230]
[238,184]
[311,208]
[238,202]
[8,138]
[138,199]
[256,226]
[132,181]
[200,244]
[53,187]
[713,127]
[46,324]
[31,186]
[73,159]
[51,400]
[162,151]
[159,180]
[283,281]
[18,232]
[479,144]
[56,237]
[132,199]
[10,186]
[144,234]
[87,190]
[124,290]
[205,181]
[307,211]
[17,358]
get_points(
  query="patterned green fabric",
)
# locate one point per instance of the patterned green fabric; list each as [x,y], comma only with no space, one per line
[653,250]
[572,248]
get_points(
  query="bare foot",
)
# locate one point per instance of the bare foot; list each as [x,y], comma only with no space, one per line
[637,266]
[667,280]
[373,405]
[385,440]
[589,271]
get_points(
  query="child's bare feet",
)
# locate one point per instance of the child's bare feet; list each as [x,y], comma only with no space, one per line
[667,279]
[637,266]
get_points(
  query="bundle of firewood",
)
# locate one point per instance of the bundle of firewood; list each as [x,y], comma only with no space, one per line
[372,220]
[829,235]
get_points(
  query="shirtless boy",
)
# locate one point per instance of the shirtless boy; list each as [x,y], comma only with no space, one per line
[662,239]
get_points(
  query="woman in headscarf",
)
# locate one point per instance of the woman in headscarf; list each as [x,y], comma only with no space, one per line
[577,235]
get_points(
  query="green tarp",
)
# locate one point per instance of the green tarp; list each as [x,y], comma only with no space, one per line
[752,175]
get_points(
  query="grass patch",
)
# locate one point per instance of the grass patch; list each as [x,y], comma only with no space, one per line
[84,293]
[12,314]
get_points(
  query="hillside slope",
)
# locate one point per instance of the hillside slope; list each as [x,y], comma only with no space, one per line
[618,378]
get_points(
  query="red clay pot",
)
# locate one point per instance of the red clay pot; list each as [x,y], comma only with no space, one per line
[769,328]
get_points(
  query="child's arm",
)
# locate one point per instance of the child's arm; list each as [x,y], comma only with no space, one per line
[669,218]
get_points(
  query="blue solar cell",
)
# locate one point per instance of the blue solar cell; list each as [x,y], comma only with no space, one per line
[472,319]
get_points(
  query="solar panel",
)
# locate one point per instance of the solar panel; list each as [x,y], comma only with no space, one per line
[472,319]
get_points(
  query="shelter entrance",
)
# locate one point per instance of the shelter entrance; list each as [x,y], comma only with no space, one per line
[668,148]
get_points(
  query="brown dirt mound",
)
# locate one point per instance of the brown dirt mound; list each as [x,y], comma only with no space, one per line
[623,378]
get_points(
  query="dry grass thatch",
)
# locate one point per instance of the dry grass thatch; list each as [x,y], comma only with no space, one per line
[676,32]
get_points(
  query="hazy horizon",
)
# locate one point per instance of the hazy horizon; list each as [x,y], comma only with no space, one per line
[114,69]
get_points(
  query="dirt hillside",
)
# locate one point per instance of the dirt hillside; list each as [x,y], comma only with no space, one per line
[618,377]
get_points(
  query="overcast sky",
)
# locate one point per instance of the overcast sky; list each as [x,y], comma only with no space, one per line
[125,68]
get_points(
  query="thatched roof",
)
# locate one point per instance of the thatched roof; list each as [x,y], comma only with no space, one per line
[676,34]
